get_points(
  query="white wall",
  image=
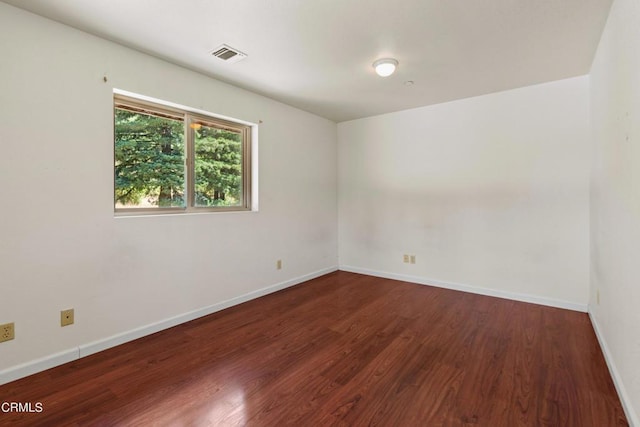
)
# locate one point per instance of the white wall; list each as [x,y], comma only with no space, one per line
[60,245]
[615,197]
[491,193]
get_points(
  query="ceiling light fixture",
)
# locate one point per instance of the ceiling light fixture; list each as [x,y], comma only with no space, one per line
[385,67]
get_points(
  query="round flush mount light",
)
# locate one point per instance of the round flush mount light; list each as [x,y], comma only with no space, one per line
[385,67]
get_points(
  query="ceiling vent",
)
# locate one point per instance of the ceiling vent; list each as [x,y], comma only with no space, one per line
[228,54]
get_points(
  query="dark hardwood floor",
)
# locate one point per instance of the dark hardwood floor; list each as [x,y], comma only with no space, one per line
[344,349]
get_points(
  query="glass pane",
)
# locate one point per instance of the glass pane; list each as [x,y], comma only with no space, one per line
[218,166]
[149,160]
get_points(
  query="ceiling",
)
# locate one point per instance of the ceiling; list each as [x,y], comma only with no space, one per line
[317,54]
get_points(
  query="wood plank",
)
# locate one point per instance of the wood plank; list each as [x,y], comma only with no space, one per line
[342,349]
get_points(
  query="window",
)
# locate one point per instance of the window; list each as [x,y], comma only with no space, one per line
[173,160]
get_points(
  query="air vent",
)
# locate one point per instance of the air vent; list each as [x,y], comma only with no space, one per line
[228,54]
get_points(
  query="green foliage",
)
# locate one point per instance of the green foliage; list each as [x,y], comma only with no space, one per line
[218,167]
[150,165]
[149,160]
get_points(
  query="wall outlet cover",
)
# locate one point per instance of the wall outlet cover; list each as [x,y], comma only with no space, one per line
[66,317]
[7,332]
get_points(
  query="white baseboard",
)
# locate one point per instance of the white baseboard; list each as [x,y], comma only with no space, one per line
[20,371]
[33,367]
[471,289]
[632,417]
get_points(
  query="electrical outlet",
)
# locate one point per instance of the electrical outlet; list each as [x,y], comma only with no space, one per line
[66,317]
[279,264]
[405,258]
[7,332]
[413,259]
